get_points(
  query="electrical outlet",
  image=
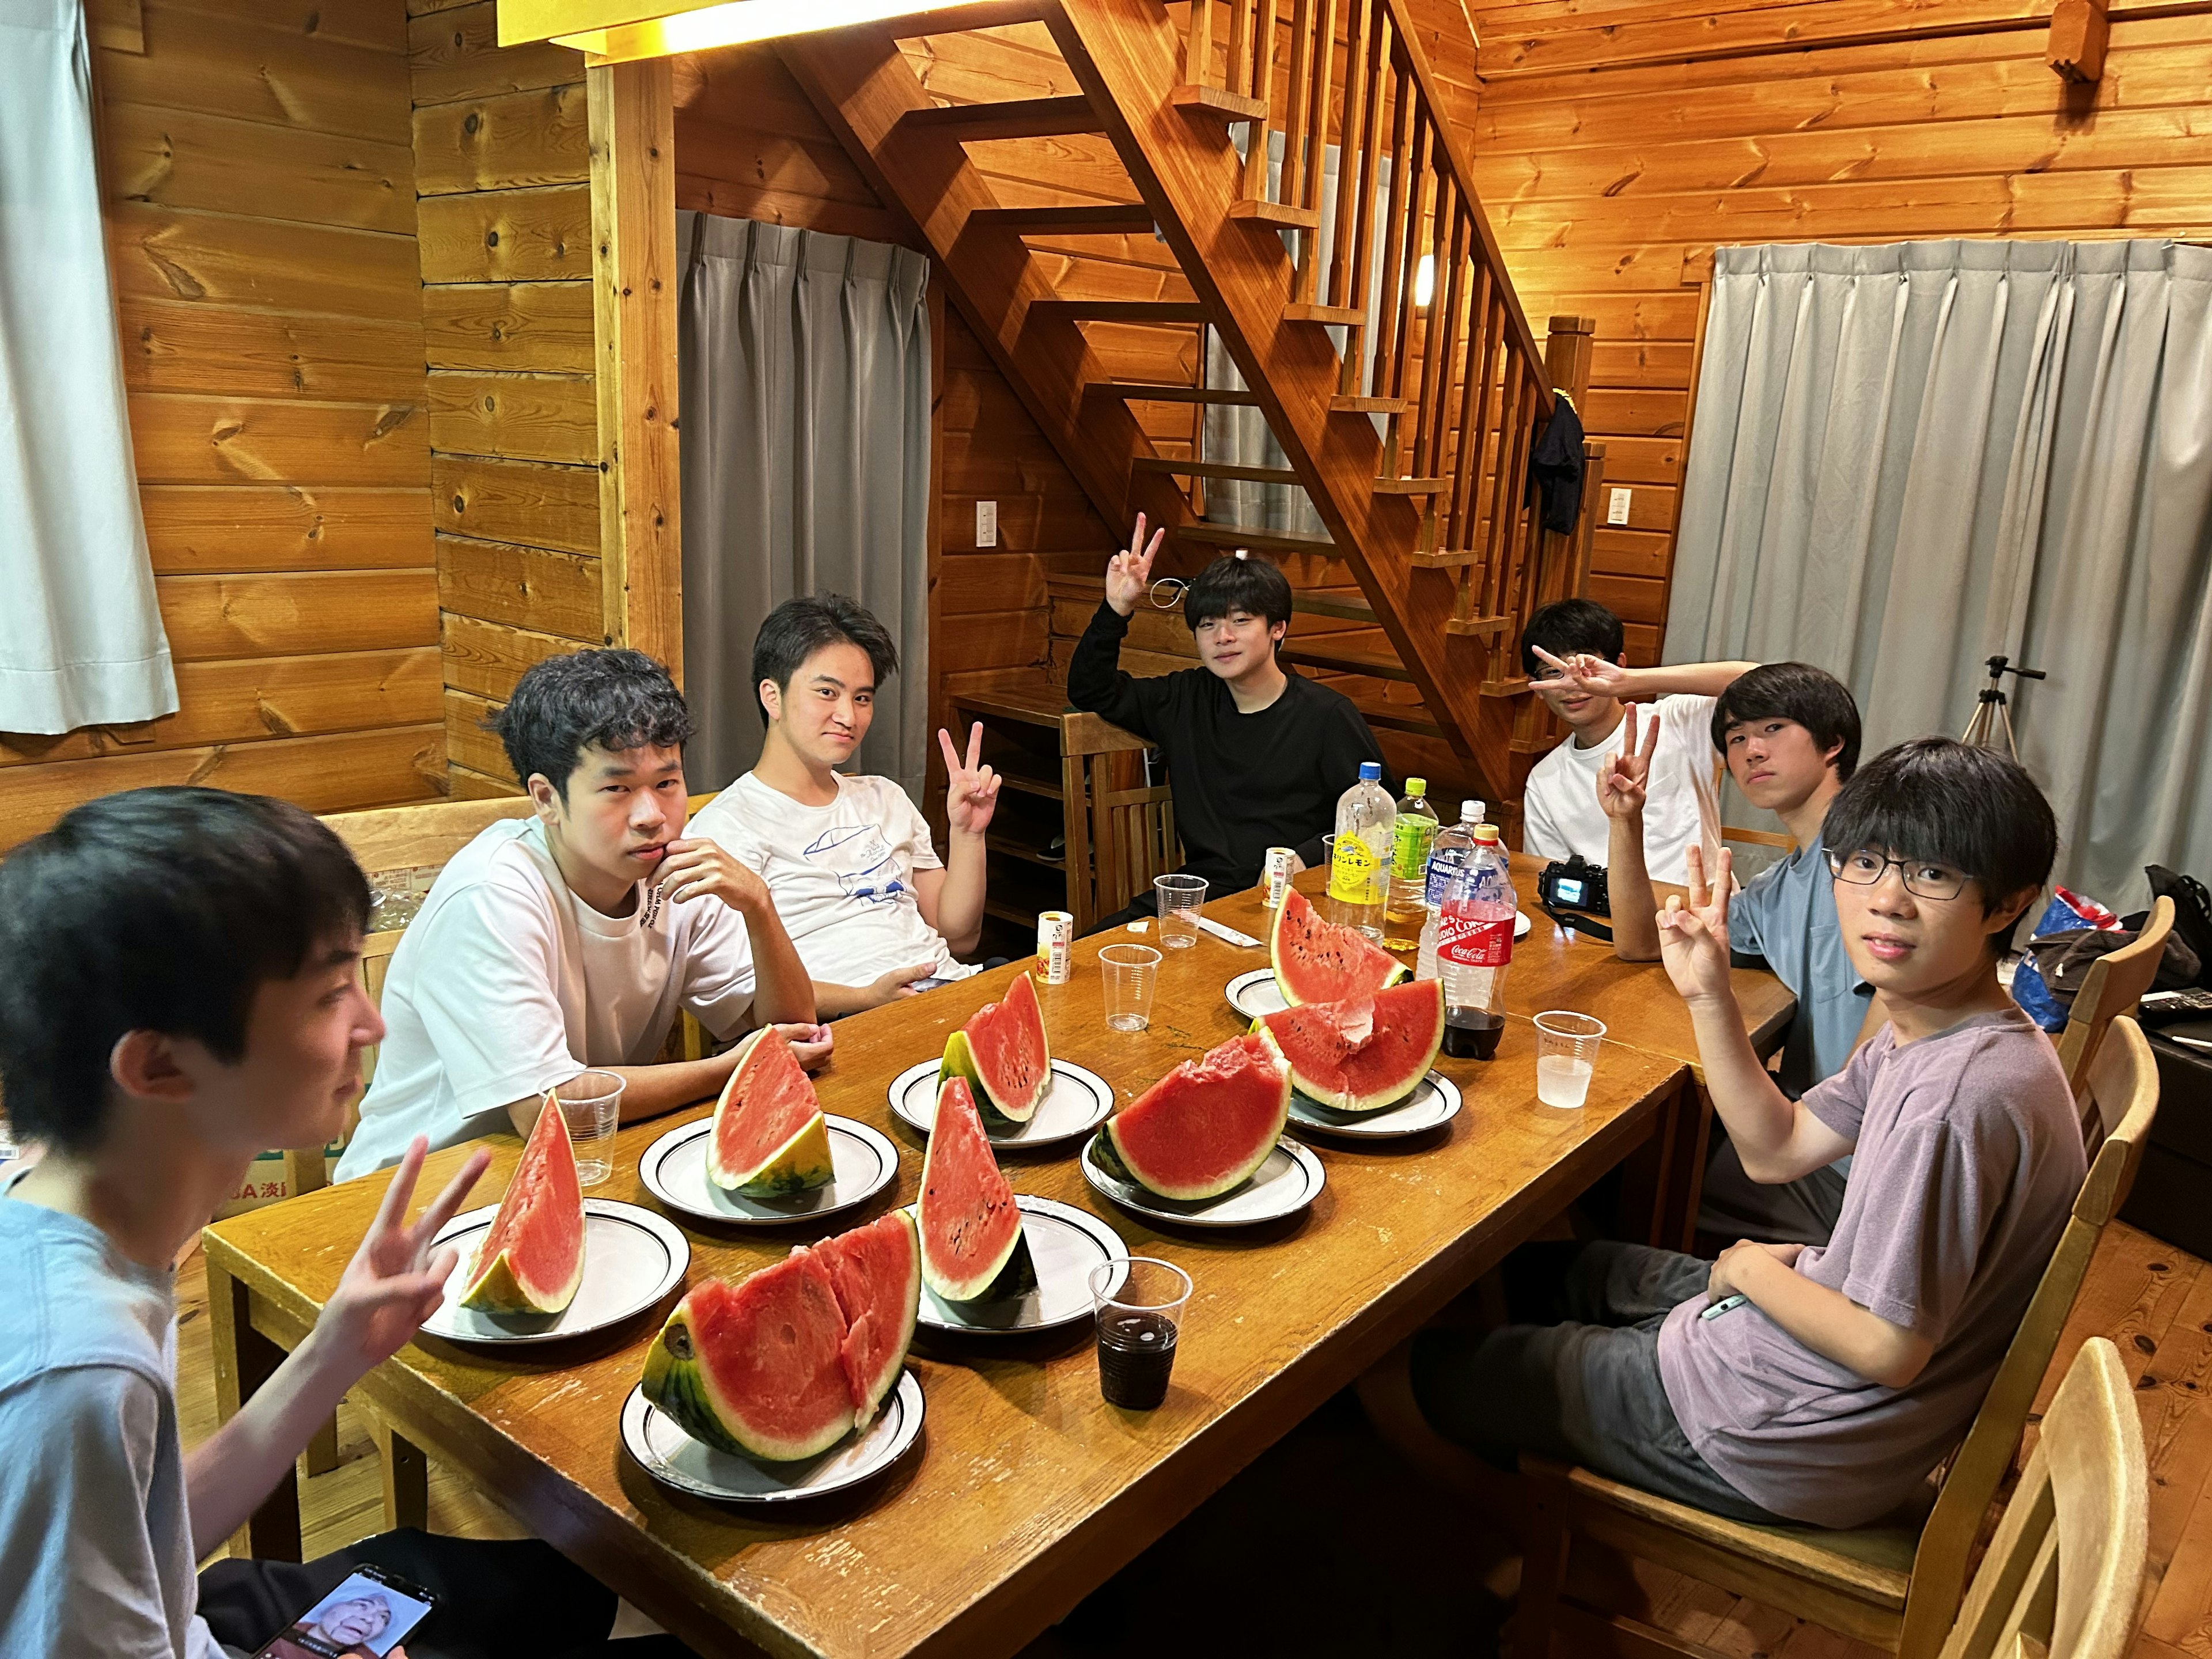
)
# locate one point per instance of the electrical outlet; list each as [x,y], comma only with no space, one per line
[986,524]
[1616,511]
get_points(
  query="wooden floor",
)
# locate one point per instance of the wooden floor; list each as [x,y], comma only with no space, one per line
[1332,1488]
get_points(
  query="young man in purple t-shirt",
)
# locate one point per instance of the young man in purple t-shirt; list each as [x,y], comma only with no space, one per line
[1809,1384]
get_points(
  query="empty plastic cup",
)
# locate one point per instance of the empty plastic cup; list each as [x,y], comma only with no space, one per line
[1129,972]
[1179,899]
[1566,1054]
[592,1102]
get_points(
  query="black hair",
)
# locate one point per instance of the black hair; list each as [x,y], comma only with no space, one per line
[1954,804]
[154,909]
[612,700]
[797,629]
[1567,626]
[1797,691]
[1231,584]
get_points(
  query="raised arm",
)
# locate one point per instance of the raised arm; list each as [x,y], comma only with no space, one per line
[953,903]
[1595,675]
[1095,682]
[1622,783]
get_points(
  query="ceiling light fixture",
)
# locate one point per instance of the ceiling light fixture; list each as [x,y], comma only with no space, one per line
[620,31]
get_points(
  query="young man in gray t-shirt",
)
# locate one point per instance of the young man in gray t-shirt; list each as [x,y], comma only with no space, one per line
[1798,1382]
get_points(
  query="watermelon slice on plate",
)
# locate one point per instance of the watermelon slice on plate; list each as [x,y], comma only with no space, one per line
[1364,1053]
[972,1247]
[1207,1125]
[877,1271]
[1318,961]
[1002,1053]
[532,1259]
[770,1139]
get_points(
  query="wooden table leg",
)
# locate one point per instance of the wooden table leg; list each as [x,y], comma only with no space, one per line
[406,1479]
[244,1360]
[1650,1174]
[1693,1132]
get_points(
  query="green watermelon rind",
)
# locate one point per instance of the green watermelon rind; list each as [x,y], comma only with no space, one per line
[1287,980]
[800,1165]
[496,1288]
[1011,1272]
[1321,1094]
[960,1061]
[678,1386]
[1113,1156]
[880,1387]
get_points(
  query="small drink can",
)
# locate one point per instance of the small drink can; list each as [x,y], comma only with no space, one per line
[1278,875]
[1055,933]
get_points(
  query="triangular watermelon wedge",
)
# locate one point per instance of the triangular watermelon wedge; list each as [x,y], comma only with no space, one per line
[531,1260]
[1318,961]
[769,1138]
[972,1247]
[1002,1053]
[1364,1053]
[877,1272]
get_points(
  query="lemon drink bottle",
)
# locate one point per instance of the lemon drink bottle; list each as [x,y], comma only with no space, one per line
[1359,859]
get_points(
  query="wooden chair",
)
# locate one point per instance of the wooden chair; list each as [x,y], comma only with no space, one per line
[2114,984]
[2064,1569]
[1896,1585]
[1120,830]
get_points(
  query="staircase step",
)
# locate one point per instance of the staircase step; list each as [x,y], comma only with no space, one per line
[1320,603]
[1271,541]
[1014,118]
[1452,560]
[1109,218]
[1411,486]
[1311,654]
[1281,215]
[1148,392]
[1346,315]
[1393,717]
[1481,627]
[1120,311]
[1220,103]
[1180,469]
[1344,404]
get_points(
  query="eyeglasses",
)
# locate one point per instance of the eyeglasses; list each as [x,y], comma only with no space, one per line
[1922,879]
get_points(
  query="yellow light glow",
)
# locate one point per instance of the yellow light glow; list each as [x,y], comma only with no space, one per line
[1425,279]
[738,21]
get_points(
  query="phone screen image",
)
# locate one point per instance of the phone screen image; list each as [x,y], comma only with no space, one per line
[364,1618]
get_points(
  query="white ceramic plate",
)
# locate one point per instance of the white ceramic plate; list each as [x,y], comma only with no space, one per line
[1066,1243]
[1434,1100]
[1077,1101]
[862,1160]
[675,1459]
[632,1258]
[1290,1179]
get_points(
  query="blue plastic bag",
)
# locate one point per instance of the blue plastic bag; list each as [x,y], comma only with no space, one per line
[2029,988]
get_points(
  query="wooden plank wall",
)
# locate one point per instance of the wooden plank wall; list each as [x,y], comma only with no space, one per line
[502,168]
[255,160]
[1616,145]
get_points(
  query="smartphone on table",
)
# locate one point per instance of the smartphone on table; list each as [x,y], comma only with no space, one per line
[364,1618]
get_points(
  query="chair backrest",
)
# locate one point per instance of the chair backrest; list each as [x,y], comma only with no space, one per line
[2126,1082]
[2114,984]
[1106,841]
[2066,1564]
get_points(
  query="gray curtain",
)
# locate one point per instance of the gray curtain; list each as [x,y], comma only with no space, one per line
[1910,457]
[805,437]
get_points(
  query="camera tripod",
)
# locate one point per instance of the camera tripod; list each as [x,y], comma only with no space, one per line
[1992,725]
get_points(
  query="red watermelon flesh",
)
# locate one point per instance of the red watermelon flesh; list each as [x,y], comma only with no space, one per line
[1208,1124]
[758,1367]
[971,1228]
[1002,1053]
[877,1271]
[769,1137]
[1318,961]
[532,1259]
[1364,1053]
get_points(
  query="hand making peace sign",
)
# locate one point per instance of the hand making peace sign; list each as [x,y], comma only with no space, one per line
[1625,779]
[971,791]
[394,1281]
[1129,575]
[1693,939]
[1587,672]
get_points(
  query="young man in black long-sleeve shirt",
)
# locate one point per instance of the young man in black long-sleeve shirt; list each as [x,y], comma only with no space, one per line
[1257,757]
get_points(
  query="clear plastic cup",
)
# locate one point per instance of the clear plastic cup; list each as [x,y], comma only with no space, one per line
[1179,898]
[1129,972]
[1139,1328]
[592,1102]
[1566,1056]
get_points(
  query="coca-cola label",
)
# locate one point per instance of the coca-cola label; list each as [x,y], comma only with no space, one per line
[1469,941]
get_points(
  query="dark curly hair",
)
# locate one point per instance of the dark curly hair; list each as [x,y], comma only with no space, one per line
[612,700]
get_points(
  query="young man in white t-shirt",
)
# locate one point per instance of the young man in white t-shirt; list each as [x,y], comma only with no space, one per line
[871,908]
[1573,653]
[571,938]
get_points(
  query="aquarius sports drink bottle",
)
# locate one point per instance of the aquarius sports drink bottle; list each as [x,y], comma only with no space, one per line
[1405,907]
[1359,862]
[1474,948]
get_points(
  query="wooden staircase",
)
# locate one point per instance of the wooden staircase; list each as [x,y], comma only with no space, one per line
[1410,441]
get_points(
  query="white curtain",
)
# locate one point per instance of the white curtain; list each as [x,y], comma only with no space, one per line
[804,446]
[80,638]
[1911,457]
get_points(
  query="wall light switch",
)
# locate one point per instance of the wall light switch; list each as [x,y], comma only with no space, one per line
[986,523]
[1616,511]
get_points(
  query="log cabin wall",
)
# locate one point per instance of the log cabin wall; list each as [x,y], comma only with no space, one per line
[261,207]
[1615,146]
[502,168]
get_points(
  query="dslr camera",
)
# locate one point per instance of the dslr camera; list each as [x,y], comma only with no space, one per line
[1575,885]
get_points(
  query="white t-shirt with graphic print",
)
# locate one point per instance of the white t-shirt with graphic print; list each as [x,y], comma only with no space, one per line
[841,875]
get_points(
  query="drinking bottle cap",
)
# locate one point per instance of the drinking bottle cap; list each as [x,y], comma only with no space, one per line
[1470,811]
[1417,785]
[1371,771]
[1486,832]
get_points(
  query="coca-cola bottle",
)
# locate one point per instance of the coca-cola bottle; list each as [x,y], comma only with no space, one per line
[1474,947]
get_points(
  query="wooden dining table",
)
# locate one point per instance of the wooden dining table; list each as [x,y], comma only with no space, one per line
[1025,1490]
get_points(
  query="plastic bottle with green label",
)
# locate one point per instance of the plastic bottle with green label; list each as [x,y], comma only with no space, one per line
[1359,860]
[1411,838]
